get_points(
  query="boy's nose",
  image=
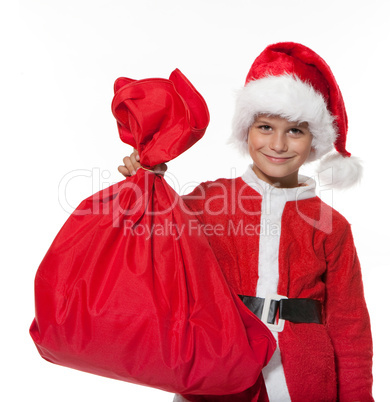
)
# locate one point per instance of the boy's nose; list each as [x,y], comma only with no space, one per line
[278,142]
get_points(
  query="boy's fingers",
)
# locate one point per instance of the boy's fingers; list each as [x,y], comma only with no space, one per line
[136,155]
[123,170]
[131,164]
[134,161]
[127,161]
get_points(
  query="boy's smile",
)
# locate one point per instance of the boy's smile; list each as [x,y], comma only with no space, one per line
[278,148]
[277,159]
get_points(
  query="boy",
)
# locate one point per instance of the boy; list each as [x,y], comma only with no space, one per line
[301,265]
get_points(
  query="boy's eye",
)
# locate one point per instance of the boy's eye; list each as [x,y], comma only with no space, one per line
[296,131]
[265,127]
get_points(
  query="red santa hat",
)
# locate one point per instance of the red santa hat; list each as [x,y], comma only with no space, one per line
[290,80]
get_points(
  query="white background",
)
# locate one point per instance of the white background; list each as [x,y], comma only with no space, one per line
[59,63]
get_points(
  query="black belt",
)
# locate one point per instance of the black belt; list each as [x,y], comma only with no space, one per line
[294,310]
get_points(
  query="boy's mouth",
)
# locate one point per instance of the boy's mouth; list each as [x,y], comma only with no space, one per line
[277,159]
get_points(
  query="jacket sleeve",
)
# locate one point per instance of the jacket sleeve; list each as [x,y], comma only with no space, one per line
[347,318]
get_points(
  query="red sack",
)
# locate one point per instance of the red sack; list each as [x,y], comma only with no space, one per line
[130,288]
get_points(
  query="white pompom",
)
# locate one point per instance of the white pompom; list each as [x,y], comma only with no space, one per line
[341,172]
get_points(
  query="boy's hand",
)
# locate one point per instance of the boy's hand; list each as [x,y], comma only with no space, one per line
[131,165]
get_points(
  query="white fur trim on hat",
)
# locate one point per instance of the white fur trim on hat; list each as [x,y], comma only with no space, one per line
[286,96]
[340,172]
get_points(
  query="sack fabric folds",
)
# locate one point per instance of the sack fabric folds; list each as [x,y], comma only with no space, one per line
[130,288]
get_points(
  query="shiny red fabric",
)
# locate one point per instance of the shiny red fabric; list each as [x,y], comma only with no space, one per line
[130,288]
[160,118]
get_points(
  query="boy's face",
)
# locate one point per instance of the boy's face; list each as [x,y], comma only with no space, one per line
[278,148]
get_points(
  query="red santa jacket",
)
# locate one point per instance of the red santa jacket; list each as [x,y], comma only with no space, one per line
[316,259]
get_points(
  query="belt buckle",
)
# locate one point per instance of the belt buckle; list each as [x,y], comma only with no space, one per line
[264,315]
